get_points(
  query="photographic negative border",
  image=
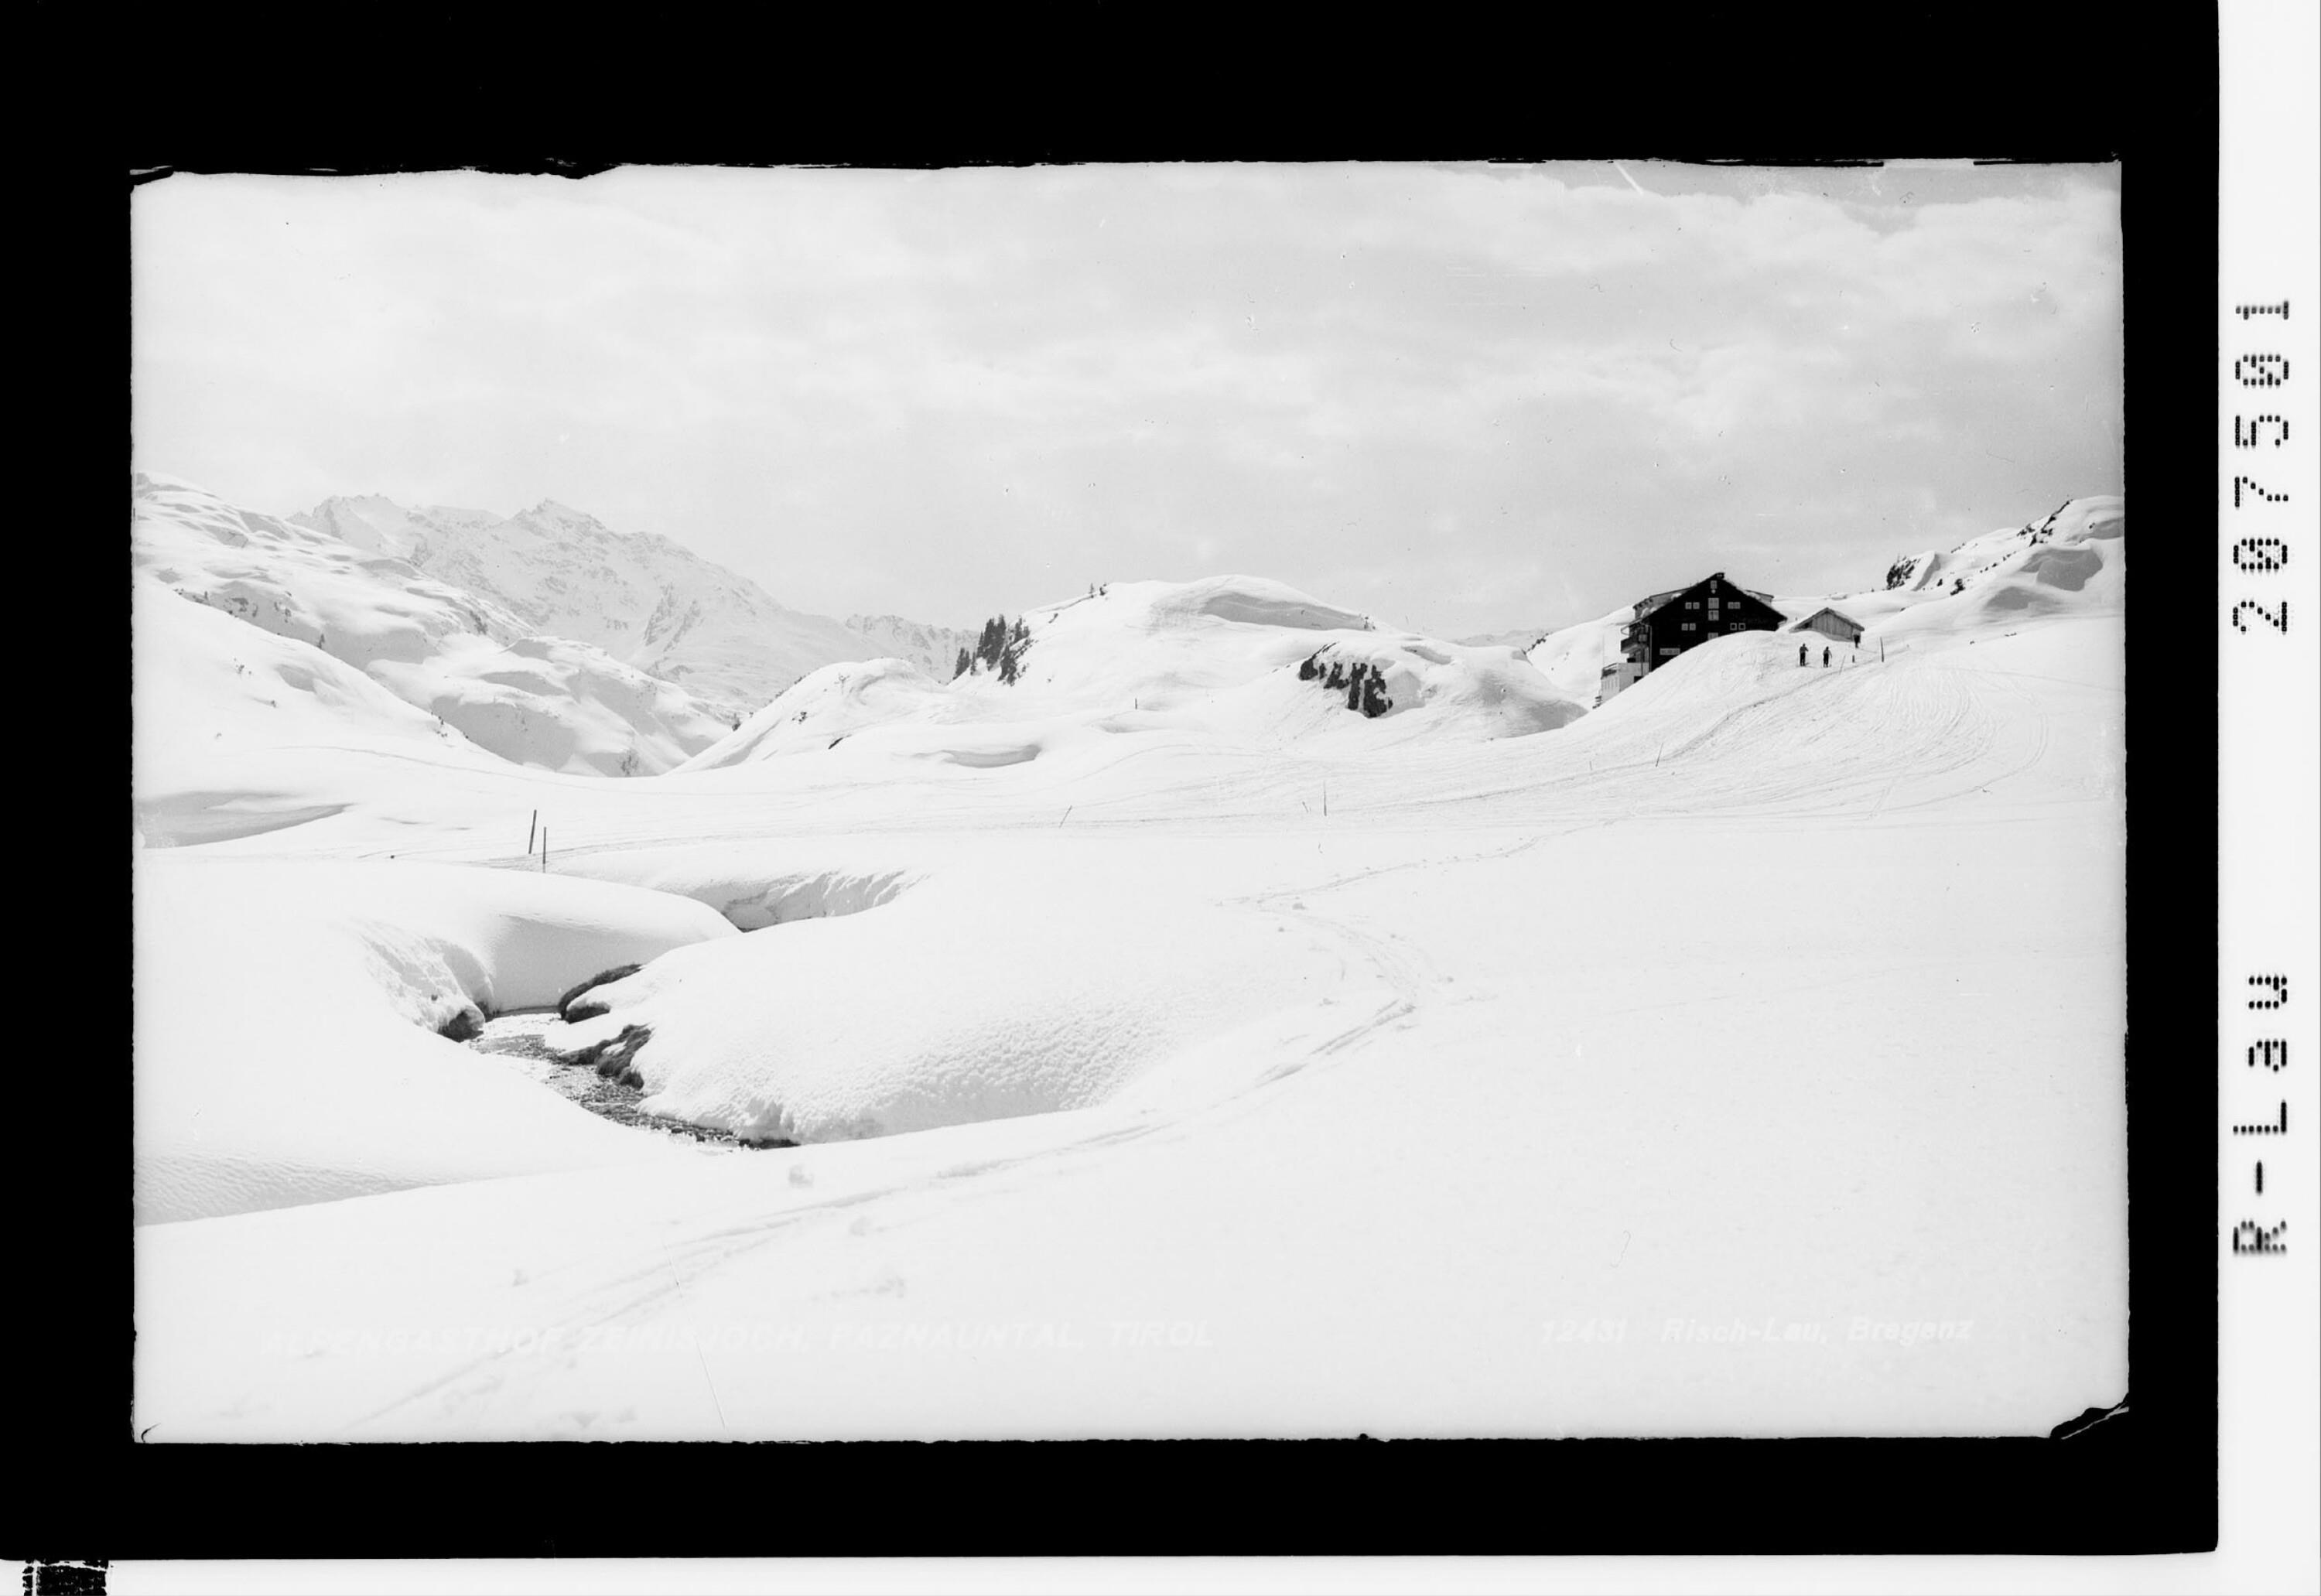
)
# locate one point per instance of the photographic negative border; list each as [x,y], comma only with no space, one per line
[2017,84]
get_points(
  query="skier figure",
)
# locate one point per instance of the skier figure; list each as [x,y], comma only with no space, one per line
[1801,656]
[1825,659]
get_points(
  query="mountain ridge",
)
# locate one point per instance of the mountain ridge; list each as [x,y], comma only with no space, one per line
[642,598]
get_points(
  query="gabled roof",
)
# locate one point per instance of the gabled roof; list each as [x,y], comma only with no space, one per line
[1659,601]
[1833,613]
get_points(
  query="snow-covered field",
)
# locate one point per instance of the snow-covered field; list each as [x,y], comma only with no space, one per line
[1173,1049]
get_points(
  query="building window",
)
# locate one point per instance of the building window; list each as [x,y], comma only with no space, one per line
[1692,604]
[1668,651]
[1691,626]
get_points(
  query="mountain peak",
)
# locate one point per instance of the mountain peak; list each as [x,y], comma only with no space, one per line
[557,510]
[646,600]
[373,502]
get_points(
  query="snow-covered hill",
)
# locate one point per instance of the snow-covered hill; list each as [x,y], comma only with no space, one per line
[647,601]
[1153,1022]
[2074,561]
[2074,558]
[217,705]
[1573,658]
[1235,659]
[1979,558]
[462,658]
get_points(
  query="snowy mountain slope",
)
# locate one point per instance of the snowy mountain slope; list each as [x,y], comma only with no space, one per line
[932,649]
[1521,639]
[1481,1128]
[2075,561]
[211,698]
[2071,562]
[536,700]
[1235,658]
[1573,658]
[644,600]
[2021,570]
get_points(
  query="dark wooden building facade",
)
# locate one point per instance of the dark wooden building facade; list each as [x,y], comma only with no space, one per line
[1668,624]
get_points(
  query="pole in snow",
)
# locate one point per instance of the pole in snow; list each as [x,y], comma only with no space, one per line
[532,836]
[543,851]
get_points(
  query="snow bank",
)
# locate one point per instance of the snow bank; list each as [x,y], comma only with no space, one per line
[284,1014]
[977,994]
[755,885]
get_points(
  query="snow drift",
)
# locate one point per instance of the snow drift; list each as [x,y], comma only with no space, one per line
[978,994]
[286,1016]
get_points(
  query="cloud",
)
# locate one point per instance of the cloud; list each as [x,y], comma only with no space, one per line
[949,393]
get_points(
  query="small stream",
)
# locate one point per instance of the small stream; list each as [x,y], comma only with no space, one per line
[517,1040]
[603,1083]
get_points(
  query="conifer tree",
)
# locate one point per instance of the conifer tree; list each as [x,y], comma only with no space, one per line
[992,641]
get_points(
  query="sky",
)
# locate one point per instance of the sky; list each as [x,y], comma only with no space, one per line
[1462,399]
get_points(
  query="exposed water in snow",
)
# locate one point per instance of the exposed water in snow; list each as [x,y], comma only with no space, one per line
[515,1041]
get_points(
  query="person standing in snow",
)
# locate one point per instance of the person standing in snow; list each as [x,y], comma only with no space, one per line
[1801,656]
[1825,659]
